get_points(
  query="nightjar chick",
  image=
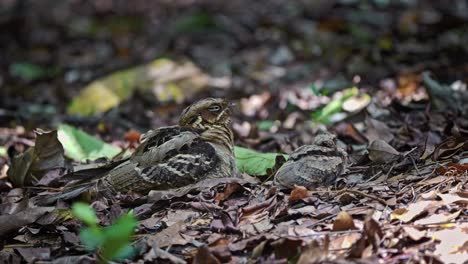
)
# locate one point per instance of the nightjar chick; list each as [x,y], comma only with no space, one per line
[200,147]
[313,165]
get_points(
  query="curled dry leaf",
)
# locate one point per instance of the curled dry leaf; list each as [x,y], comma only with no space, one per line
[378,130]
[381,152]
[449,147]
[29,166]
[453,246]
[298,193]
[414,233]
[343,221]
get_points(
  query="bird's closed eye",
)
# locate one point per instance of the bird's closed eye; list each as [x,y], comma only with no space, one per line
[214,108]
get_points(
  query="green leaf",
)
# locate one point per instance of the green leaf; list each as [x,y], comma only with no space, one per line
[322,115]
[92,237]
[118,236]
[80,146]
[253,162]
[265,125]
[175,81]
[30,71]
[85,213]
[3,151]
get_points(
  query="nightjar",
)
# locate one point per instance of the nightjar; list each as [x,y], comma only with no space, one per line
[313,165]
[198,148]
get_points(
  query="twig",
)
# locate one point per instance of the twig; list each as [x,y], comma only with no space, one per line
[364,194]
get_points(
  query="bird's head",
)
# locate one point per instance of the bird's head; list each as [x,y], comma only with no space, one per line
[325,140]
[206,114]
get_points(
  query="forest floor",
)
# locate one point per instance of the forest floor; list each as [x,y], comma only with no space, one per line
[389,78]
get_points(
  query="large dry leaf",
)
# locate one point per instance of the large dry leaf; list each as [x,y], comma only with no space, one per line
[13,222]
[453,246]
[169,236]
[415,209]
[381,152]
[343,221]
[29,166]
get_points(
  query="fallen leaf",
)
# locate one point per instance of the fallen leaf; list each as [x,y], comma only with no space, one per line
[453,246]
[169,236]
[415,209]
[81,146]
[343,221]
[414,233]
[15,221]
[381,152]
[29,166]
[167,80]
[450,198]
[437,218]
[253,162]
[377,130]
[298,193]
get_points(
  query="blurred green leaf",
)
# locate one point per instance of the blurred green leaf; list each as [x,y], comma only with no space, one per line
[80,146]
[253,162]
[85,213]
[117,238]
[194,23]
[322,115]
[265,124]
[3,151]
[92,237]
[30,71]
[162,79]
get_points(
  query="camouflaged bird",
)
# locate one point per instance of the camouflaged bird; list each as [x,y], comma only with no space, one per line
[200,147]
[313,165]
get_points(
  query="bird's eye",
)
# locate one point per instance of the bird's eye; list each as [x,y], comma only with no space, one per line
[214,108]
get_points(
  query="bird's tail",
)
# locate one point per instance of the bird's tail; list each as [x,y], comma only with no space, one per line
[88,180]
[67,194]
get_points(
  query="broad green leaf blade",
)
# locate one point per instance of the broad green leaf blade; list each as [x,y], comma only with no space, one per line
[164,79]
[118,236]
[322,115]
[253,162]
[85,213]
[92,237]
[31,72]
[81,146]
[3,151]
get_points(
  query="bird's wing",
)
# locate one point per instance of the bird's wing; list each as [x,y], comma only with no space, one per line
[94,177]
[180,161]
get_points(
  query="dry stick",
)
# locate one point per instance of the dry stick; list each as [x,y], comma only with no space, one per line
[364,194]
[373,177]
[339,192]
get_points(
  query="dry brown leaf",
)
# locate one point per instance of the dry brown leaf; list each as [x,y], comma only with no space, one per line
[415,209]
[450,198]
[378,130]
[437,218]
[414,233]
[453,247]
[431,195]
[169,236]
[381,152]
[298,193]
[343,221]
[345,241]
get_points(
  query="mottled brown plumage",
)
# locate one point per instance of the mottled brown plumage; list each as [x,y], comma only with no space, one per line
[313,165]
[200,147]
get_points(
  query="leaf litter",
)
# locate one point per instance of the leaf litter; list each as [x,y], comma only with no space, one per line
[402,200]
